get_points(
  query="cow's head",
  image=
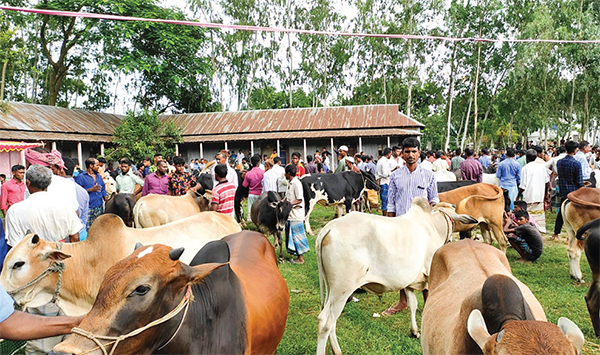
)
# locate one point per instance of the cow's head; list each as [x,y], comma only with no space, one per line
[282,209]
[23,263]
[136,291]
[526,337]
[370,181]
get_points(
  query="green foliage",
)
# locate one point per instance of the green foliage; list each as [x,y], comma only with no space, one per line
[142,135]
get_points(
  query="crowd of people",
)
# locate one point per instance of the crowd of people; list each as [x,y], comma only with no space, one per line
[55,199]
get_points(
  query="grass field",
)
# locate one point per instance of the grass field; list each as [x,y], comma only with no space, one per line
[360,333]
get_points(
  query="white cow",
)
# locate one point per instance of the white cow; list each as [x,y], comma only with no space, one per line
[444,175]
[491,179]
[386,254]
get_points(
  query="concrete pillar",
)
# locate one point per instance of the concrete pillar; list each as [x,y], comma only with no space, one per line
[23,158]
[278,146]
[201,151]
[360,144]
[53,145]
[176,149]
[388,142]
[102,149]
[304,141]
[226,148]
[80,156]
[332,158]
[251,148]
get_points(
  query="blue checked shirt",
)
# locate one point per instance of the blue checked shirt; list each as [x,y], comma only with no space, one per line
[405,186]
[570,177]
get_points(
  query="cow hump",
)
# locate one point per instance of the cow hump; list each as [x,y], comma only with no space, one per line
[502,302]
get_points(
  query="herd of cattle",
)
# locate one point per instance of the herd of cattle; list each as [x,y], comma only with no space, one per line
[229,297]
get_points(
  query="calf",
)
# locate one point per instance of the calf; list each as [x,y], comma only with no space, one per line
[591,233]
[122,205]
[270,213]
[472,293]
[386,255]
[341,190]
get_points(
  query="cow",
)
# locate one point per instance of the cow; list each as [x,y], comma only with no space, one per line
[590,232]
[491,179]
[341,189]
[270,213]
[472,294]
[444,176]
[484,202]
[155,210]
[580,207]
[240,302]
[445,186]
[387,254]
[122,205]
[109,241]
[241,193]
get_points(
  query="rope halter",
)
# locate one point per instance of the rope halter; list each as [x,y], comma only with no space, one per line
[56,266]
[182,306]
[450,225]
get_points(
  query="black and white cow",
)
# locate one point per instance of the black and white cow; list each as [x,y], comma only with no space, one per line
[341,189]
[269,213]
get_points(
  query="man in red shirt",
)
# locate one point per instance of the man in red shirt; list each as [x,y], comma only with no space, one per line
[13,191]
[223,194]
[300,171]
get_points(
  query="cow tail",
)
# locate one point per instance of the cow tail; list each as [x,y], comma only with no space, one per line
[322,234]
[136,220]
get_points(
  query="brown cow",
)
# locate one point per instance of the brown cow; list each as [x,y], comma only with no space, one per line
[239,302]
[581,207]
[484,202]
[472,293]
[109,241]
[155,210]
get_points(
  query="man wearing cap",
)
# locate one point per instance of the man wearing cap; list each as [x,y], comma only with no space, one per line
[341,166]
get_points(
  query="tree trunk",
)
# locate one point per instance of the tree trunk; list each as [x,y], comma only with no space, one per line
[475,92]
[586,114]
[450,99]
[510,127]
[3,77]
[464,137]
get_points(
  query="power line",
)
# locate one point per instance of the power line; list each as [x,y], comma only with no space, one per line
[290,30]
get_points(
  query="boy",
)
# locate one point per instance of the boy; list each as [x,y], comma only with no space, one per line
[526,238]
[223,194]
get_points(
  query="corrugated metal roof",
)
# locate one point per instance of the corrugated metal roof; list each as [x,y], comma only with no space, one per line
[41,122]
[303,134]
[293,120]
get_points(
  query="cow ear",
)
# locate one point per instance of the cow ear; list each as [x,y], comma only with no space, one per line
[478,331]
[56,255]
[137,246]
[199,272]
[273,204]
[35,239]
[572,332]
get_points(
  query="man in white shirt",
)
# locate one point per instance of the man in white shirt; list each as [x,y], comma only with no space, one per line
[231,174]
[296,243]
[580,156]
[382,174]
[535,188]
[440,164]
[395,160]
[42,213]
[270,178]
[280,172]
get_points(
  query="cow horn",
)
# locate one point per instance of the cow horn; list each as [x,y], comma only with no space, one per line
[35,239]
[175,254]
[138,245]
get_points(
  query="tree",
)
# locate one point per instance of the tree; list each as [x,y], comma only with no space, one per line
[144,134]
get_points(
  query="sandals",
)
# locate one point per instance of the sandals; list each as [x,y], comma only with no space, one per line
[295,261]
[389,312]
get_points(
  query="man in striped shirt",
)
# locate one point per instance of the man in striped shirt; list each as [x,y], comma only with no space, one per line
[406,183]
[223,194]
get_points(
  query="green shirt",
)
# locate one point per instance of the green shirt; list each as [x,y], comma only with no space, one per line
[126,183]
[341,165]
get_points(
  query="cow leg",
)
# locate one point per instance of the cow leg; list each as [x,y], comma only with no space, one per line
[412,305]
[334,305]
[499,235]
[311,206]
[592,299]
[574,252]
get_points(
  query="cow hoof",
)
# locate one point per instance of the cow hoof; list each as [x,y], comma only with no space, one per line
[579,280]
[416,336]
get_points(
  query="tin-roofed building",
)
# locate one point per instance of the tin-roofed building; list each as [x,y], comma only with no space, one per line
[80,133]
